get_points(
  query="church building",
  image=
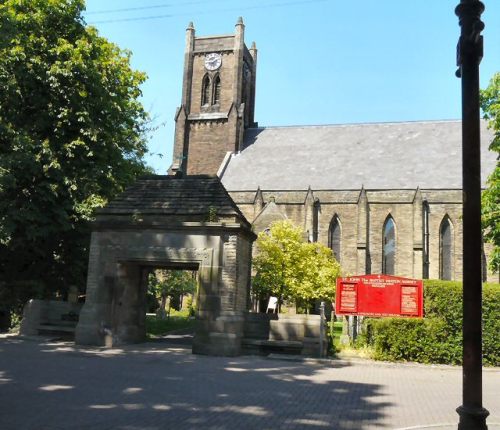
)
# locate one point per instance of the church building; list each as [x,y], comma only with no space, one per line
[385,197]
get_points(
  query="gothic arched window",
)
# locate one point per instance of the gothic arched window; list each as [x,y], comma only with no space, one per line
[205,91]
[445,249]
[389,247]
[216,97]
[334,237]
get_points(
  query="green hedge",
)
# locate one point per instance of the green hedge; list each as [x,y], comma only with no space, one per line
[437,338]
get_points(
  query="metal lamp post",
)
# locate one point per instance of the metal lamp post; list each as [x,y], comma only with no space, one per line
[469,54]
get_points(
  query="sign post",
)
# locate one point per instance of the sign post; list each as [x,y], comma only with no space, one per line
[379,296]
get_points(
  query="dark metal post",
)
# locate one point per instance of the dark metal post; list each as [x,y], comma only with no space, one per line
[469,54]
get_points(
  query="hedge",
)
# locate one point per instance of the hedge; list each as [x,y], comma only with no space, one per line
[437,338]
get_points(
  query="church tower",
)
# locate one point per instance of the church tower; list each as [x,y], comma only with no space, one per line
[218,95]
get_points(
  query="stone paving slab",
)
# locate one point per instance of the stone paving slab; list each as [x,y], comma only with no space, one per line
[50,385]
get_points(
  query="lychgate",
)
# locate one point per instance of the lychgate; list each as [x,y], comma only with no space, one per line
[172,222]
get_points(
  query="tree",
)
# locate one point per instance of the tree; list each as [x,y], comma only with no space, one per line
[72,136]
[164,284]
[490,104]
[289,268]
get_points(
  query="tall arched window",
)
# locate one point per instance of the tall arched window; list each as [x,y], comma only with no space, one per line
[205,91]
[445,249]
[216,96]
[389,247]
[334,237]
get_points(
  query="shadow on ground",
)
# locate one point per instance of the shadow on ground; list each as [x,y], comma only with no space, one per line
[56,385]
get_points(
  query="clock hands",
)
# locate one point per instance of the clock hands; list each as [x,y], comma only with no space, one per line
[213,61]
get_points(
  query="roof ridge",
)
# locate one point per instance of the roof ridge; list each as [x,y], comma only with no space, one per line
[353,124]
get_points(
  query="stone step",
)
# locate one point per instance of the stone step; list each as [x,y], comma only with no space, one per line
[264,347]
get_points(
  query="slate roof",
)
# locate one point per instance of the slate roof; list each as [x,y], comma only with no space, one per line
[345,157]
[171,196]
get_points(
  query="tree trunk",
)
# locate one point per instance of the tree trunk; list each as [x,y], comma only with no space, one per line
[162,307]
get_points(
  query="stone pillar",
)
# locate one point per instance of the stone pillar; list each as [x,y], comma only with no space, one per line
[258,203]
[128,305]
[95,316]
[251,107]
[239,46]
[34,312]
[188,67]
[309,215]
[220,324]
[418,236]
[363,260]
[179,161]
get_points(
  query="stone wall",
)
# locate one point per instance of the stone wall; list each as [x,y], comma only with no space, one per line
[293,333]
[362,215]
[209,141]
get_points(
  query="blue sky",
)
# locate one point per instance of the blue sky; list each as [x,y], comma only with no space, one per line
[319,61]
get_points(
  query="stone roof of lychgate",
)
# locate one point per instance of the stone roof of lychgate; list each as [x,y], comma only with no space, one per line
[377,156]
[195,196]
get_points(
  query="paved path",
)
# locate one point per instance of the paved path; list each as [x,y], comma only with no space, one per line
[46,385]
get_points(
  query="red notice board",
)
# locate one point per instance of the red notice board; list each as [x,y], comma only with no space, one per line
[379,296]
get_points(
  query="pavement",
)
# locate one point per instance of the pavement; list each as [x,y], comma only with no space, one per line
[53,385]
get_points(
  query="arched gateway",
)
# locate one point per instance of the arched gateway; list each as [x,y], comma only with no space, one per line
[174,222]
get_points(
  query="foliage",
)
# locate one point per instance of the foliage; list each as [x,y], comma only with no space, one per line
[191,308]
[290,268]
[165,284]
[490,104]
[212,214]
[437,338]
[72,136]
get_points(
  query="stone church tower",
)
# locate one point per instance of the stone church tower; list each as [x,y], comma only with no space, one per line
[218,94]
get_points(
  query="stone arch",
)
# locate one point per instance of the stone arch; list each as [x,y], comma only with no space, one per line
[216,89]
[446,249]
[205,90]
[389,246]
[335,237]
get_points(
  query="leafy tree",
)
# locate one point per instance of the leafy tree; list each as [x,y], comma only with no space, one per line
[290,268]
[72,136]
[164,284]
[321,272]
[490,103]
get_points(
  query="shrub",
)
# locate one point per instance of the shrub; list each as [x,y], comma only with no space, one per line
[437,338]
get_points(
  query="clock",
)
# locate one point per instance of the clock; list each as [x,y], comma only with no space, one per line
[213,61]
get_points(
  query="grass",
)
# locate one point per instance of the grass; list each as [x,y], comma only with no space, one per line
[177,321]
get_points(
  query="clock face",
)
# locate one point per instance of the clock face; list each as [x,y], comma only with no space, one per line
[213,61]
